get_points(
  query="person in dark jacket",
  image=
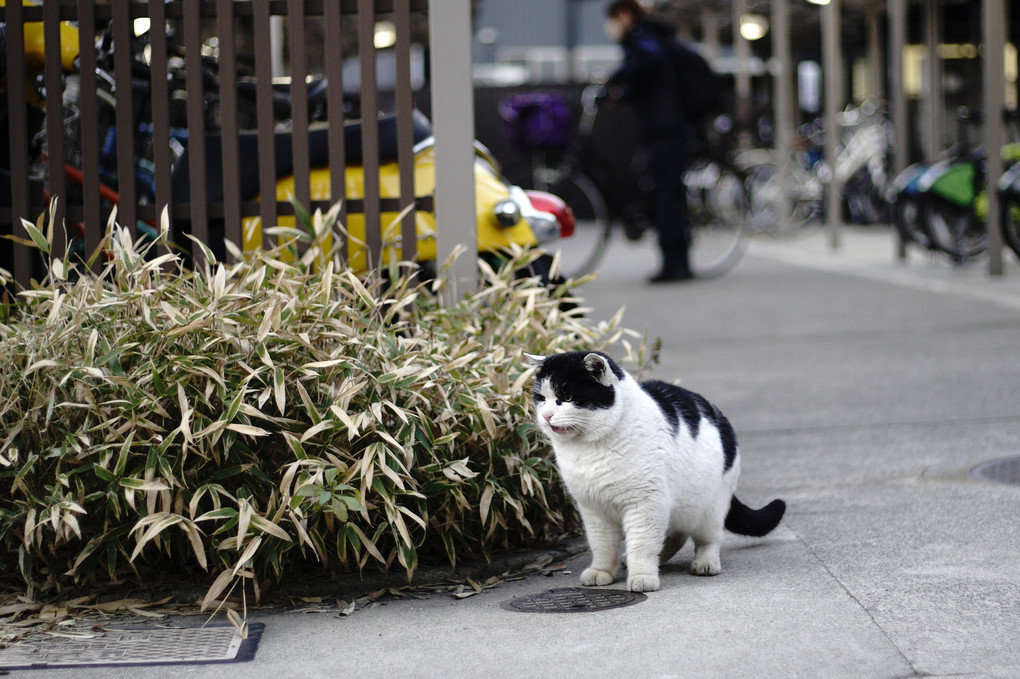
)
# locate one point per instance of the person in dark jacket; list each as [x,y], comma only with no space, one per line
[647,81]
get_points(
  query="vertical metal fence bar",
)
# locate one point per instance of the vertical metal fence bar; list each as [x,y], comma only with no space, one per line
[125,119]
[17,112]
[196,123]
[264,113]
[332,24]
[91,206]
[405,128]
[53,74]
[160,96]
[298,53]
[228,127]
[369,130]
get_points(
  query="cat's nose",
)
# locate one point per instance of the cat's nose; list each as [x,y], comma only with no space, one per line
[547,416]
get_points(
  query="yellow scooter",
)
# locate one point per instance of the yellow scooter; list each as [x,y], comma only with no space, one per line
[506,215]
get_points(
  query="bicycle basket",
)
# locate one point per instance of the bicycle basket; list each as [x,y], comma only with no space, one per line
[536,120]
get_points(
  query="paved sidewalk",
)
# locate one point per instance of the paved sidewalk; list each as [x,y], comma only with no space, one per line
[863,391]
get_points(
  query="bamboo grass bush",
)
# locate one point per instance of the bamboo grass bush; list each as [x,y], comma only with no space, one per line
[246,421]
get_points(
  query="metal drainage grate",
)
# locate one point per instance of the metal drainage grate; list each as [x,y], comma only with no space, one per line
[999,471]
[574,600]
[120,647]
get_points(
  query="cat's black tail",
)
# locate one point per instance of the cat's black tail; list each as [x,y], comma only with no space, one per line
[754,522]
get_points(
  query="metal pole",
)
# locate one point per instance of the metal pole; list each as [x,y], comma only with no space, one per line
[782,102]
[710,34]
[898,98]
[875,60]
[742,71]
[932,37]
[453,124]
[994,39]
[276,45]
[832,78]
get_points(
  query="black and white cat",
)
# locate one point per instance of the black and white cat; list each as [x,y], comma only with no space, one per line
[650,462]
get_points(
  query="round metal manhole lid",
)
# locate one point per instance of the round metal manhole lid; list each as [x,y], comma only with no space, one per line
[574,600]
[1005,471]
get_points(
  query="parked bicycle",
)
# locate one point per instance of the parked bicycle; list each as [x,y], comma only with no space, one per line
[943,206]
[602,193]
[862,162]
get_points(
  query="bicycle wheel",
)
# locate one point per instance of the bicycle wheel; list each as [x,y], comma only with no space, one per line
[908,217]
[804,202]
[1010,220]
[579,254]
[717,205]
[954,229]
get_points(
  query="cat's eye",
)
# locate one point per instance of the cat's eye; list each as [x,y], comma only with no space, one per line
[539,398]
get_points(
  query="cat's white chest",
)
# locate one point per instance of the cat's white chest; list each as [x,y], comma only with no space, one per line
[614,473]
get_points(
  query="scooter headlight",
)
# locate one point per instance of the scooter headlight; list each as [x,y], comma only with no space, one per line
[507,212]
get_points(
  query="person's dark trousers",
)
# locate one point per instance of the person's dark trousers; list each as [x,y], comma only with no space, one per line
[668,205]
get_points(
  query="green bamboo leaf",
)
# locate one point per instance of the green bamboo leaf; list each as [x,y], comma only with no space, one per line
[219,584]
[368,544]
[218,514]
[269,527]
[156,523]
[37,236]
[248,430]
[195,538]
[317,429]
[143,485]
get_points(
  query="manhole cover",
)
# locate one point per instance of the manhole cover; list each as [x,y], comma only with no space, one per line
[999,471]
[161,646]
[574,600]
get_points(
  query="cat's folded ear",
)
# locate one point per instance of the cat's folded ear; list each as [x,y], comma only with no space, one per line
[599,368]
[534,359]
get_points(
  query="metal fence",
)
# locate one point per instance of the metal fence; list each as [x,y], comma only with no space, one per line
[98,142]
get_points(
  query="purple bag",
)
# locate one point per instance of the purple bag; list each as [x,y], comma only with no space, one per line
[536,120]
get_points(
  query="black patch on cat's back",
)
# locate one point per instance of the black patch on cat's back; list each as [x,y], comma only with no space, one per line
[668,399]
[572,381]
[676,402]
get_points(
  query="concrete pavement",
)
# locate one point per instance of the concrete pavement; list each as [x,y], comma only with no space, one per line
[863,391]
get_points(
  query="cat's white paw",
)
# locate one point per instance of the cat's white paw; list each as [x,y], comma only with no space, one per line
[595,576]
[706,567]
[643,583]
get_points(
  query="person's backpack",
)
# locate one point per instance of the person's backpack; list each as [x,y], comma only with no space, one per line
[698,85]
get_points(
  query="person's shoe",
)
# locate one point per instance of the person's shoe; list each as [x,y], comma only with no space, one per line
[672,274]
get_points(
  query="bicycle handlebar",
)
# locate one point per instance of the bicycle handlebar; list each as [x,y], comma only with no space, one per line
[589,107]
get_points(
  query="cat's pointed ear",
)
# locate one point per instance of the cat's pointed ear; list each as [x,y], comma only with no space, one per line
[599,368]
[534,359]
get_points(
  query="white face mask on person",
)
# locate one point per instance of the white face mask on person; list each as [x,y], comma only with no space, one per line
[614,29]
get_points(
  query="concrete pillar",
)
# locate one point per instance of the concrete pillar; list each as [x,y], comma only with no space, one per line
[832,79]
[994,42]
[934,114]
[898,97]
[876,62]
[453,124]
[710,33]
[742,73]
[782,100]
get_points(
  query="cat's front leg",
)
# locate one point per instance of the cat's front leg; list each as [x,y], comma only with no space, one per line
[645,536]
[604,540]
